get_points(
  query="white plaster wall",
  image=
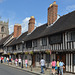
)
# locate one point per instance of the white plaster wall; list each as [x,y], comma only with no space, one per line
[71,62]
[67,67]
[74,69]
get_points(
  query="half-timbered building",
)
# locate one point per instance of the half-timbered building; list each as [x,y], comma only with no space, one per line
[53,40]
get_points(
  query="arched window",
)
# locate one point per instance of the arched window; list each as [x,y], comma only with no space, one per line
[2,29]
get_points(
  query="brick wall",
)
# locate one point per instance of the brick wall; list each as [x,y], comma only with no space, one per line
[17,30]
[52,13]
[31,24]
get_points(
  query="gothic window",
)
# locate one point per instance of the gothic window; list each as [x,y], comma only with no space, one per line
[2,29]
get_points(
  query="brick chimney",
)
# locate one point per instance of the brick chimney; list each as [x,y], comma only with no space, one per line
[31,24]
[17,30]
[52,13]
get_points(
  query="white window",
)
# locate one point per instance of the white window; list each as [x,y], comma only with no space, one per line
[71,36]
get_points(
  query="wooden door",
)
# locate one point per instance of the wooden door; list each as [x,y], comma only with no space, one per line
[64,61]
[63,58]
[33,61]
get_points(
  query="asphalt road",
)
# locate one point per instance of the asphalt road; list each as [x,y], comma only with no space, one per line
[6,70]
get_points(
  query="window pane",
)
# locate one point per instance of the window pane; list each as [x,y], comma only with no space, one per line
[44,41]
[28,44]
[35,43]
[73,36]
[54,39]
[74,59]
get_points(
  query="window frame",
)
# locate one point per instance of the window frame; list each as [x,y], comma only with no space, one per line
[29,44]
[44,41]
[2,29]
[54,36]
[70,36]
[34,43]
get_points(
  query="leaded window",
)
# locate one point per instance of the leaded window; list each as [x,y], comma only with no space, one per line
[55,39]
[23,45]
[71,36]
[34,43]
[28,44]
[19,47]
[44,41]
[14,47]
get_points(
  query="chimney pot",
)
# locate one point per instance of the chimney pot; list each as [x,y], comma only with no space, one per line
[52,13]
[51,5]
[31,24]
[54,2]
[32,16]
[17,30]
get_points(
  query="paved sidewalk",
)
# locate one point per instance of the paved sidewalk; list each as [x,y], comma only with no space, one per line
[36,70]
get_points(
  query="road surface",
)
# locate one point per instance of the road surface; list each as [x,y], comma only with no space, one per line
[6,70]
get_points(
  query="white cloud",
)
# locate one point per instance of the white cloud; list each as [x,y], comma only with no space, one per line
[39,24]
[25,24]
[11,27]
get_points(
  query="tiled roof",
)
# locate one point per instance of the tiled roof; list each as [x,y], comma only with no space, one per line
[11,41]
[65,22]
[36,33]
[19,39]
[4,39]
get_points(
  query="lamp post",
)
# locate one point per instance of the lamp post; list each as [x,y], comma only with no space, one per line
[22,53]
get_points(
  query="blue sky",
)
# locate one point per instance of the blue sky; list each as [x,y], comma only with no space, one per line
[19,11]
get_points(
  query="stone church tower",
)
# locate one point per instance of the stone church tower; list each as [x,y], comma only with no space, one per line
[4,30]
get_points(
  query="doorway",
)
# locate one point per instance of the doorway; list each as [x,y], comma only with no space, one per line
[62,56]
[33,60]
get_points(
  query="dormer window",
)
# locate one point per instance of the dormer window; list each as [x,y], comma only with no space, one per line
[2,29]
